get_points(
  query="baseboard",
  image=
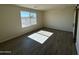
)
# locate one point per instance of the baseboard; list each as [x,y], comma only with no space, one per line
[10,37]
[15,35]
[57,29]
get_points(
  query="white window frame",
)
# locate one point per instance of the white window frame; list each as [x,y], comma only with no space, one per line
[30,20]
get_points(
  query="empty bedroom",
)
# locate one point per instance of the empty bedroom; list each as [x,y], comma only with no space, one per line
[38,29]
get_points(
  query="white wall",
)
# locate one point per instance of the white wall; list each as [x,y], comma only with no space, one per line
[10,23]
[61,19]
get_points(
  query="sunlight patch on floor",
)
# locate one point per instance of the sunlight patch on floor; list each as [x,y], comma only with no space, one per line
[40,36]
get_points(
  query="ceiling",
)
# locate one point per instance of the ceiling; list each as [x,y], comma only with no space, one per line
[46,6]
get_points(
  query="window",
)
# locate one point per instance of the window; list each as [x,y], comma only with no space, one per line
[33,18]
[28,18]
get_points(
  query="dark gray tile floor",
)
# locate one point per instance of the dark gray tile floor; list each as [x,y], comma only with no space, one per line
[60,43]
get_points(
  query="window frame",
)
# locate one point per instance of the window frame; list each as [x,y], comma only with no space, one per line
[29,18]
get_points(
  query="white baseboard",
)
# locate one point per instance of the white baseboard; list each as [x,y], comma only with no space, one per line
[15,35]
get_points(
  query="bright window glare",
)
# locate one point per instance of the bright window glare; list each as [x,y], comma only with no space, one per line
[33,15]
[33,18]
[24,14]
[28,18]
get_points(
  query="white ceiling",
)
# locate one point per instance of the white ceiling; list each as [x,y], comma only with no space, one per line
[46,6]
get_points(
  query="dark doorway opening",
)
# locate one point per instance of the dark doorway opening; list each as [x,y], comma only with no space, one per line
[75,25]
